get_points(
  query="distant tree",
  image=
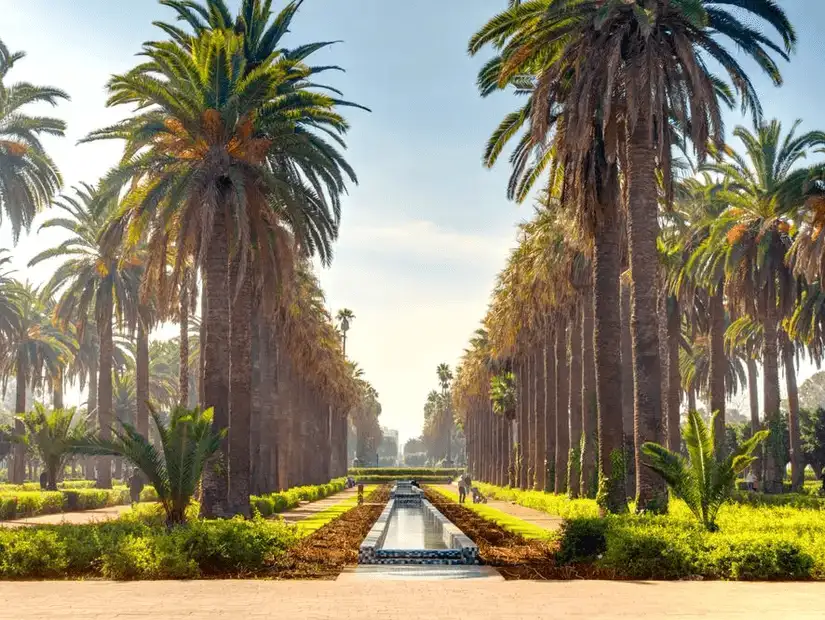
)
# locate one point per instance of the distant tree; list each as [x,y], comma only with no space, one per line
[812,392]
[813,441]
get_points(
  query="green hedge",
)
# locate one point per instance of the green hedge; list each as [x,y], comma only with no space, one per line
[131,549]
[370,479]
[21,504]
[267,505]
[406,472]
[759,538]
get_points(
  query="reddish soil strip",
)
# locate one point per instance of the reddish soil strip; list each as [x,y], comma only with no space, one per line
[326,553]
[513,556]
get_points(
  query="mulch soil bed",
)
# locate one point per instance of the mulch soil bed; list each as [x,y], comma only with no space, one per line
[325,554]
[513,556]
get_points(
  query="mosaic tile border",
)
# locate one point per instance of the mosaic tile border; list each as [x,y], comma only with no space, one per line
[460,549]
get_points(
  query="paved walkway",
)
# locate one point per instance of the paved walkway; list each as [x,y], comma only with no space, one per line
[307,510]
[85,516]
[113,512]
[535,517]
[411,600]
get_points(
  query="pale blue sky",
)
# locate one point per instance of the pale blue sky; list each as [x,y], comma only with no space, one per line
[428,227]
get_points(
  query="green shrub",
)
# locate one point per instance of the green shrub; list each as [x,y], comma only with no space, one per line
[582,540]
[267,505]
[77,484]
[17,505]
[132,549]
[373,479]
[407,472]
[559,505]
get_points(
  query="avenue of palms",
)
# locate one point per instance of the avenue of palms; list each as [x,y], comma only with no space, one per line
[230,184]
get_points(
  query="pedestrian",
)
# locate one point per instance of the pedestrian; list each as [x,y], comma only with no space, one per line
[135,486]
[750,481]
[462,490]
[44,480]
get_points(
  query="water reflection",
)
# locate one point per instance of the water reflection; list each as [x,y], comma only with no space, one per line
[408,528]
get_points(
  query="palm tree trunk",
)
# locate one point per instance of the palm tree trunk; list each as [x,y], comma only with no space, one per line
[609,342]
[797,464]
[257,435]
[674,381]
[628,424]
[541,418]
[91,462]
[142,380]
[589,444]
[521,426]
[753,394]
[216,362]
[774,465]
[718,365]
[574,335]
[562,411]
[552,391]
[240,388]
[183,370]
[57,389]
[17,471]
[643,229]
[202,348]
[104,391]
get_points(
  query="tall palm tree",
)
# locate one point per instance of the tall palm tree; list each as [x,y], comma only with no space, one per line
[445,378]
[748,244]
[33,346]
[635,65]
[96,281]
[345,316]
[28,177]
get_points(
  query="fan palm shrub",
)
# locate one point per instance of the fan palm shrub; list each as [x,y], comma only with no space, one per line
[175,466]
[51,435]
[701,481]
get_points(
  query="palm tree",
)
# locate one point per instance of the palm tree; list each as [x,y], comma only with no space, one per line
[445,378]
[344,317]
[28,177]
[33,346]
[748,245]
[656,75]
[704,481]
[174,467]
[97,281]
[51,435]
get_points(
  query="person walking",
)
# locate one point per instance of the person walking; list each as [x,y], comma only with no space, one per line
[462,490]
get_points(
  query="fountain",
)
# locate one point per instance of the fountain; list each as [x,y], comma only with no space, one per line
[411,530]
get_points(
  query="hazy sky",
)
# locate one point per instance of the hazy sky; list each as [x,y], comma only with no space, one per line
[427,228]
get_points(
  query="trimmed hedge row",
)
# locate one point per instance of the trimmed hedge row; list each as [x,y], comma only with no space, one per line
[268,505]
[21,504]
[370,479]
[6,487]
[132,549]
[780,538]
[406,472]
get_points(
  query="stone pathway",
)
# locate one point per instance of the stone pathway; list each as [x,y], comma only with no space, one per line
[307,510]
[77,518]
[113,512]
[411,600]
[535,517]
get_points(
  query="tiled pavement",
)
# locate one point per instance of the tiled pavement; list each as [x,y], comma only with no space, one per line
[411,600]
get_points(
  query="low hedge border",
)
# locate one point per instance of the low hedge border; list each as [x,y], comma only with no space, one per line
[406,472]
[23,504]
[369,479]
[273,503]
[313,523]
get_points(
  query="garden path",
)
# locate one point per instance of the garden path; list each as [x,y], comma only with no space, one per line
[534,517]
[113,512]
[411,600]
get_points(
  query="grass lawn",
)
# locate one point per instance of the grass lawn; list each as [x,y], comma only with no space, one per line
[315,522]
[502,519]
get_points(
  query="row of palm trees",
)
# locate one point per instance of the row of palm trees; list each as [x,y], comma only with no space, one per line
[230,181]
[634,285]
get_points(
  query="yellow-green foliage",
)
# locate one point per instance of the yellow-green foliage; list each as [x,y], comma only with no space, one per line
[267,505]
[315,522]
[502,519]
[17,504]
[558,505]
[134,549]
